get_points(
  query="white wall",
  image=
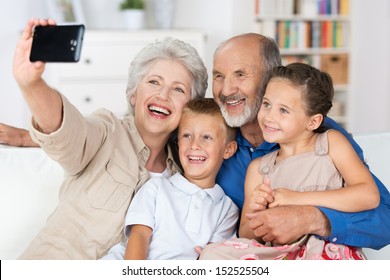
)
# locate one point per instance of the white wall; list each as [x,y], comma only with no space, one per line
[222,19]
[370,103]
[217,21]
[12,106]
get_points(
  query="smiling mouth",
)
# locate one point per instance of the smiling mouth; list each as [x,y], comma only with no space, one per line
[235,102]
[196,159]
[271,129]
[159,110]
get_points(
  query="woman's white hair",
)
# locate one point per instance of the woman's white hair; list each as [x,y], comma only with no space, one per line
[170,49]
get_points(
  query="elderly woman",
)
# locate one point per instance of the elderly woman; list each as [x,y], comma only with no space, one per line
[106,159]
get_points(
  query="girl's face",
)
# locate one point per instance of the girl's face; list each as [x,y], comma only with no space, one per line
[282,117]
[160,97]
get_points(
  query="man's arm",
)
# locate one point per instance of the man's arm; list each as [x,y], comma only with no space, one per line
[362,229]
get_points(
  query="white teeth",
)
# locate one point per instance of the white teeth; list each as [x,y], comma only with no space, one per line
[233,102]
[271,128]
[197,158]
[158,110]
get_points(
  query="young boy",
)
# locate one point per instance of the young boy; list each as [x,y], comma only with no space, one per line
[169,217]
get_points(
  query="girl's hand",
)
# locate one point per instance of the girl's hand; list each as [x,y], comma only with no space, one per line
[261,197]
[284,197]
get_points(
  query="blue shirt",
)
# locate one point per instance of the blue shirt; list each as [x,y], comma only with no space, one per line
[363,229]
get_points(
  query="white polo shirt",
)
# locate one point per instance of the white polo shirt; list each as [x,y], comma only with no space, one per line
[182,216]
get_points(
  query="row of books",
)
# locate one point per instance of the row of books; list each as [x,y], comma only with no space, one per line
[297,34]
[307,8]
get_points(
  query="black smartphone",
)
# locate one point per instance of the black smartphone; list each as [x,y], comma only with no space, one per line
[57,43]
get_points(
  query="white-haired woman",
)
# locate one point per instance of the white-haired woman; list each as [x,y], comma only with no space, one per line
[106,159]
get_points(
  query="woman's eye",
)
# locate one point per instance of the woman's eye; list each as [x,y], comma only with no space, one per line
[207,137]
[186,135]
[153,82]
[179,90]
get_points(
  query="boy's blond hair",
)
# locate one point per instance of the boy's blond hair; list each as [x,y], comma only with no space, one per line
[208,106]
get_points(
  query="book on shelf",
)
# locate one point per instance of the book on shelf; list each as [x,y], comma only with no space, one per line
[274,7]
[315,32]
[299,34]
[305,8]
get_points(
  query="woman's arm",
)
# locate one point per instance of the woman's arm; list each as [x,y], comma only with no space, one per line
[138,244]
[44,102]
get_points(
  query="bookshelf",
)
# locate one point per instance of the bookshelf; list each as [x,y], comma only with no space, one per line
[316,32]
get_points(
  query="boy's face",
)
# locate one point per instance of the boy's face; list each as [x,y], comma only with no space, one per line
[202,147]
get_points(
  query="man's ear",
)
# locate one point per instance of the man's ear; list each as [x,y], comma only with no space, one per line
[315,122]
[230,149]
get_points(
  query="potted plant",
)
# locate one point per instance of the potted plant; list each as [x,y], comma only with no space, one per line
[134,13]
[132,5]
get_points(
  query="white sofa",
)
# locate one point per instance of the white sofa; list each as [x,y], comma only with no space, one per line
[29,183]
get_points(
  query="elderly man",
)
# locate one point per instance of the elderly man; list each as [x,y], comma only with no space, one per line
[240,67]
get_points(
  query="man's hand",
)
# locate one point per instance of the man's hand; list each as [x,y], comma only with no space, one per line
[285,224]
[14,136]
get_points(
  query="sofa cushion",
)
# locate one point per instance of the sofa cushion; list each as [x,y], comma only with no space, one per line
[29,187]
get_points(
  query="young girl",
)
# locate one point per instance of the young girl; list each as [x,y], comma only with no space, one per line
[313,166]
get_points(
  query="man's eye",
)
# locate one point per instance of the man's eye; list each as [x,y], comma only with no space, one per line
[217,76]
[207,137]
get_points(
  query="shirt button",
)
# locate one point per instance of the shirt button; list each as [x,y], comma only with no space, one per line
[334,239]
[251,149]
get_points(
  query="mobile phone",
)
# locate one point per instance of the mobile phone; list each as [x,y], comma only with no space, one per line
[57,43]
